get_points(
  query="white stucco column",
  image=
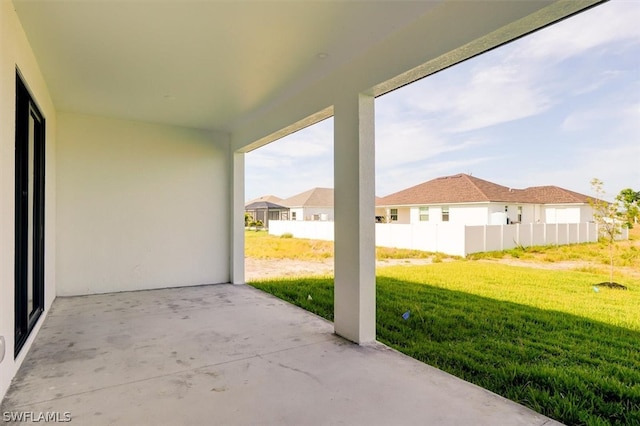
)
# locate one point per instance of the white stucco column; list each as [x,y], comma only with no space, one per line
[354,173]
[236,266]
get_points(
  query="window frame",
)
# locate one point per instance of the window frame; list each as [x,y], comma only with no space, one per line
[422,216]
[446,214]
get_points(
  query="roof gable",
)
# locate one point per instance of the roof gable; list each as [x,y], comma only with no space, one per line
[460,188]
[555,195]
[268,198]
[316,197]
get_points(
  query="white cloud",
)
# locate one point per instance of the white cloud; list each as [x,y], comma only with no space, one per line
[520,79]
[395,179]
[293,164]
[495,95]
[399,142]
[616,21]
[618,166]
[485,91]
[573,69]
[596,83]
[581,120]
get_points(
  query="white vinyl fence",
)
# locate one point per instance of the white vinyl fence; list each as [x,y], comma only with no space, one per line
[454,239]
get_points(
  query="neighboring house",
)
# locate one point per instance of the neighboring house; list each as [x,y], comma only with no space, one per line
[314,204]
[467,199]
[265,211]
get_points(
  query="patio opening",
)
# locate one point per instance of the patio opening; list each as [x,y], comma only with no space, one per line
[289,205]
[483,175]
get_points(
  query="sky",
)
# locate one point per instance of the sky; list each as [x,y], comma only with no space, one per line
[558,107]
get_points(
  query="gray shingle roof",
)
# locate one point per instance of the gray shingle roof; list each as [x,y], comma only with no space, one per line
[269,198]
[264,205]
[316,197]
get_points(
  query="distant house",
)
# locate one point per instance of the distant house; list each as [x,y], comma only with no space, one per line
[469,200]
[314,204]
[264,211]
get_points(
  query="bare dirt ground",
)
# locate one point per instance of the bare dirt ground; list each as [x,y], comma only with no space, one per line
[568,265]
[270,268]
[256,269]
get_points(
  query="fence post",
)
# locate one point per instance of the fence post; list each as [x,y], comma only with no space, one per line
[464,239]
[578,233]
[437,237]
[531,238]
[484,242]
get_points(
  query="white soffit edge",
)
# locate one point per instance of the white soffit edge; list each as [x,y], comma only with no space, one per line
[252,68]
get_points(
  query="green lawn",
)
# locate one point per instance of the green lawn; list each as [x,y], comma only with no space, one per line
[545,339]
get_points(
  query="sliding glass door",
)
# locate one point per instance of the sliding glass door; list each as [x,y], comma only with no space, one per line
[29,214]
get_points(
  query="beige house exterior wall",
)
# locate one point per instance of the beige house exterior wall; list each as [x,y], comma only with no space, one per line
[140,206]
[16,54]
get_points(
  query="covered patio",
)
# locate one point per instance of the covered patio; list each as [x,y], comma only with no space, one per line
[123,132]
[231,355]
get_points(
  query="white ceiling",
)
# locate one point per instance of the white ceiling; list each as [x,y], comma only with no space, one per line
[217,64]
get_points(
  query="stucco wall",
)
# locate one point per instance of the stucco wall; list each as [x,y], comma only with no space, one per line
[563,214]
[297,212]
[16,52]
[307,213]
[586,213]
[469,215]
[140,206]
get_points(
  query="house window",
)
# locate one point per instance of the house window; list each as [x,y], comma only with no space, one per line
[445,214]
[424,214]
[393,213]
[293,216]
[519,214]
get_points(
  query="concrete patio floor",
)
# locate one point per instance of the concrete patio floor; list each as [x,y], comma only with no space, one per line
[231,355]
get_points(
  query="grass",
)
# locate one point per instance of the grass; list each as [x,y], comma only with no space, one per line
[261,245]
[544,339]
[626,253]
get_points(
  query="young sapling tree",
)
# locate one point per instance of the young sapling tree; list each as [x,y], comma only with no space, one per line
[606,215]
